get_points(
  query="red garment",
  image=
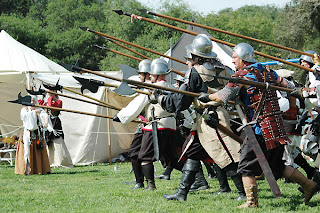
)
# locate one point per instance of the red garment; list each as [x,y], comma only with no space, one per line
[57,103]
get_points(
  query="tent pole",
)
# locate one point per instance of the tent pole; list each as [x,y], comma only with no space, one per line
[108,124]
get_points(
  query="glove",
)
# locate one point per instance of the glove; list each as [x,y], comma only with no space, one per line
[316,59]
[315,124]
[212,120]
[303,118]
[297,93]
[155,97]
[204,97]
[115,118]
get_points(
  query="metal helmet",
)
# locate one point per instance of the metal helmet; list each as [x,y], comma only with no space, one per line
[188,55]
[245,52]
[144,66]
[201,46]
[307,58]
[159,66]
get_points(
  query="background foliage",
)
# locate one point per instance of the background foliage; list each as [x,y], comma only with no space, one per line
[51,27]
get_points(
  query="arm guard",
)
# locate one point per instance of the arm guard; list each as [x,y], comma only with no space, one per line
[227,93]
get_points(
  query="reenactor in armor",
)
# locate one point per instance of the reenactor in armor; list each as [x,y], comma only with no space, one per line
[124,115]
[269,129]
[205,142]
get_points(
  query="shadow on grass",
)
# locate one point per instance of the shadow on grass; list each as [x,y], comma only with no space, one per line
[73,172]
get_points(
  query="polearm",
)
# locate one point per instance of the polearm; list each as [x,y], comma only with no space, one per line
[68,96]
[134,45]
[127,48]
[59,87]
[120,12]
[254,83]
[135,58]
[147,85]
[225,32]
[28,103]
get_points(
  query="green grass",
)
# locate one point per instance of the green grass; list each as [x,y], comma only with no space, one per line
[100,188]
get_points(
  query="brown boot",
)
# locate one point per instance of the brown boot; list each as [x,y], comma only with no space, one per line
[150,185]
[308,186]
[252,197]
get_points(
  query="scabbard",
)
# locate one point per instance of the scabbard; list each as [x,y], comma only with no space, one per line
[155,135]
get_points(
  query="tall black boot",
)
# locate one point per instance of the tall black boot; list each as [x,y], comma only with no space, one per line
[303,163]
[210,170]
[200,182]
[137,169]
[237,180]
[223,180]
[189,170]
[148,172]
[166,174]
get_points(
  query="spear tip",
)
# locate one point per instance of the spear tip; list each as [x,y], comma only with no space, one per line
[145,11]
[84,28]
[119,12]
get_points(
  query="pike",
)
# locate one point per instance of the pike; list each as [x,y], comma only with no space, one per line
[134,45]
[127,48]
[42,91]
[59,87]
[26,101]
[92,85]
[225,32]
[127,90]
[132,57]
[120,12]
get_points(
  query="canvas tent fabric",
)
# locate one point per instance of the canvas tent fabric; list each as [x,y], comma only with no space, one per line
[85,136]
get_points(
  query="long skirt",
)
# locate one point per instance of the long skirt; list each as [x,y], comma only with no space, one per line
[59,155]
[39,161]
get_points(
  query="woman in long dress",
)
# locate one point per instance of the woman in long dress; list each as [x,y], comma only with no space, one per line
[32,157]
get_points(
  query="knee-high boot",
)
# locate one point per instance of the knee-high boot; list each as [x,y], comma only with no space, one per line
[223,180]
[200,182]
[299,160]
[309,186]
[148,172]
[137,169]
[237,179]
[189,170]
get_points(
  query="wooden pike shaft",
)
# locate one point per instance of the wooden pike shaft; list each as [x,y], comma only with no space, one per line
[127,48]
[140,47]
[78,112]
[78,99]
[108,105]
[221,41]
[230,33]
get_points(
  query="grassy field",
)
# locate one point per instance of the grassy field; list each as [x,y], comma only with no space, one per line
[101,188]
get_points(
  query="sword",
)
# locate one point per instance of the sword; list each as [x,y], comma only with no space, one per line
[155,134]
[251,139]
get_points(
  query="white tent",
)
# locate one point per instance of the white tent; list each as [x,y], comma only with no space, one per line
[86,137]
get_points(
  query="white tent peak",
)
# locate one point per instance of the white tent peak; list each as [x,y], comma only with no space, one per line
[16,57]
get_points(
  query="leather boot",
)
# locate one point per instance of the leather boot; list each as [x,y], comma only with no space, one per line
[252,197]
[211,173]
[166,174]
[237,179]
[189,170]
[148,172]
[299,160]
[309,186]
[223,180]
[138,186]
[200,183]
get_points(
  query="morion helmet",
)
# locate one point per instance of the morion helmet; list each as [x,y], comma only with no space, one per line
[245,52]
[201,46]
[159,66]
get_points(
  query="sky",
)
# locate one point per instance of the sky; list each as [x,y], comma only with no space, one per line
[207,6]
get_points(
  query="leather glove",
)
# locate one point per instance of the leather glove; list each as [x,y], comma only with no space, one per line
[204,97]
[154,98]
[212,120]
[297,93]
[316,59]
[115,118]
[315,124]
